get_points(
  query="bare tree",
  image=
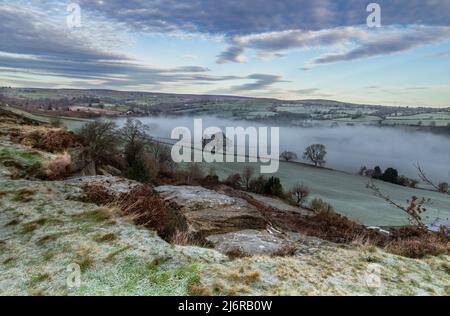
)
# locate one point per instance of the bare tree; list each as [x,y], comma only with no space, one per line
[316,154]
[247,175]
[439,187]
[288,156]
[300,193]
[414,208]
[101,139]
[135,139]
[194,173]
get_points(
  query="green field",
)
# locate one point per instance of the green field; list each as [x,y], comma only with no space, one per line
[71,123]
[425,119]
[348,193]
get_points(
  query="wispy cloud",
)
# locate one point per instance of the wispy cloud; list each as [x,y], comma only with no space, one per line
[238,17]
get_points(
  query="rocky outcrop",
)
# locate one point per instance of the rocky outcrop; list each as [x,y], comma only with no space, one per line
[113,185]
[208,212]
[249,243]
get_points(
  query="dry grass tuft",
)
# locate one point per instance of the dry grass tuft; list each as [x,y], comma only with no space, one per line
[106,237]
[55,141]
[33,225]
[197,290]
[286,251]
[100,214]
[413,242]
[97,194]
[58,168]
[180,238]
[24,195]
[236,253]
[85,256]
[140,204]
[145,207]
[247,277]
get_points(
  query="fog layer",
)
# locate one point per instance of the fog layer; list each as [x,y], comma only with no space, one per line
[348,147]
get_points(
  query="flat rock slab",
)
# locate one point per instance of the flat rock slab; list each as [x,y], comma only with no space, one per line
[279,204]
[114,185]
[207,212]
[248,243]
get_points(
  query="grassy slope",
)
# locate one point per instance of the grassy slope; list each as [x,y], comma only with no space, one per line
[328,271]
[348,193]
[70,123]
[42,233]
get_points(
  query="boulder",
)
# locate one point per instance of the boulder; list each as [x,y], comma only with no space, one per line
[249,243]
[113,185]
[109,170]
[82,164]
[207,212]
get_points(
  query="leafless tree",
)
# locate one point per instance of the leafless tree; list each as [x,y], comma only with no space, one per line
[316,154]
[288,156]
[247,175]
[101,139]
[414,208]
[135,139]
[424,177]
[300,193]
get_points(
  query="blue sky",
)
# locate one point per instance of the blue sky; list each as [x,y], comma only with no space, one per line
[296,49]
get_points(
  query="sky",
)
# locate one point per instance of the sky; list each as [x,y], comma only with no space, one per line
[286,49]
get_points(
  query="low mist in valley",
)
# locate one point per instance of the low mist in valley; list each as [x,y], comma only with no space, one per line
[348,147]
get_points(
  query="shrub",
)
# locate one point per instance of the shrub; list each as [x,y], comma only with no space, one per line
[407,182]
[414,242]
[247,175]
[234,181]
[210,181]
[97,194]
[55,141]
[288,156]
[273,187]
[318,205]
[139,170]
[144,207]
[258,185]
[390,175]
[299,193]
[140,203]
[194,173]
[56,122]
[377,173]
[443,187]
[337,228]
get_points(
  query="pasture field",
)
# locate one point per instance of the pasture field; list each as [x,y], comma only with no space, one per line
[348,193]
[69,122]
[425,119]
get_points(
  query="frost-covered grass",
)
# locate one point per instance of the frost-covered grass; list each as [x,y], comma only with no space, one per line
[23,156]
[41,236]
[329,271]
[348,193]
